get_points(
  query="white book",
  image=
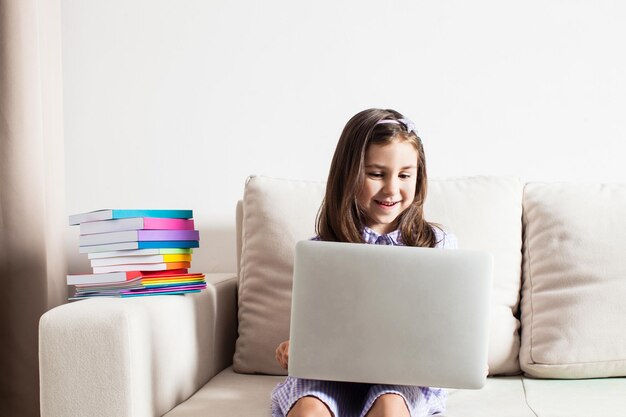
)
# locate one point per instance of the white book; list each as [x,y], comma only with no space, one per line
[138,267]
[148,259]
[112,277]
[137,245]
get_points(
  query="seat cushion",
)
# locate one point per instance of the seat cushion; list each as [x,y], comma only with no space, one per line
[573,309]
[232,394]
[501,396]
[484,213]
[576,398]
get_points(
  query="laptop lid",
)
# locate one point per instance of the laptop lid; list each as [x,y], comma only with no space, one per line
[390,314]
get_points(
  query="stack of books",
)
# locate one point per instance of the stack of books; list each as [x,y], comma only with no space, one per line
[136,253]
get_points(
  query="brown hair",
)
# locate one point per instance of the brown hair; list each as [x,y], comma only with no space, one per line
[340,217]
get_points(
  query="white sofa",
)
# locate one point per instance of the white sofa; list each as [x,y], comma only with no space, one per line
[557,333]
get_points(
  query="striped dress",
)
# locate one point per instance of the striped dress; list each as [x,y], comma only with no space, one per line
[348,399]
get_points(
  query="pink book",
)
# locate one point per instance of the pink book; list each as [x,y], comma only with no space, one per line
[135,223]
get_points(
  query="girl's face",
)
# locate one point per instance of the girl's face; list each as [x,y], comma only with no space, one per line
[389,184]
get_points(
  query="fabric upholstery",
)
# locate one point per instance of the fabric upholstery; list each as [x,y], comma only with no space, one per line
[135,357]
[576,398]
[276,214]
[233,394]
[573,309]
[484,213]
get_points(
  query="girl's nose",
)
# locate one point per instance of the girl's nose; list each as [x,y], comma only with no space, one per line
[391,186]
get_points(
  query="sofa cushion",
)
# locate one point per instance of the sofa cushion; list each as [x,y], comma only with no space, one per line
[276,214]
[231,394]
[573,309]
[484,213]
[574,398]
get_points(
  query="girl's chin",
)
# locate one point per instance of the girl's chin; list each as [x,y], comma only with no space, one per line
[383,227]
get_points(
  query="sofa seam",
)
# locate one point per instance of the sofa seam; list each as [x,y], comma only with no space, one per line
[244,235]
[580,363]
[526,246]
[526,398]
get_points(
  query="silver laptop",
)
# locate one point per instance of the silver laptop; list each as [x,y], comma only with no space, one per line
[390,314]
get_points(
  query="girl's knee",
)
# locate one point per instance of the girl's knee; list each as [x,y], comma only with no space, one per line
[309,407]
[389,405]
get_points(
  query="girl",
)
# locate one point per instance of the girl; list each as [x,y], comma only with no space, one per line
[375,194]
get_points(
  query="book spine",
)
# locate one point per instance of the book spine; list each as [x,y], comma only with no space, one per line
[148,259]
[140,252]
[150,235]
[141,267]
[177,214]
[167,244]
[167,224]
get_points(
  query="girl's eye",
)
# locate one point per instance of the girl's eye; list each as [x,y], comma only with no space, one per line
[405,176]
[375,174]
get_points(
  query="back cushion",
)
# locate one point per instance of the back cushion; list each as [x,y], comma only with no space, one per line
[276,214]
[573,308]
[483,212]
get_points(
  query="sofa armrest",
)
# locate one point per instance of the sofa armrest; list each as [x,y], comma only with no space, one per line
[136,356]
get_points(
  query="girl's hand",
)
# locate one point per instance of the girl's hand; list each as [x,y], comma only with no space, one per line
[282,354]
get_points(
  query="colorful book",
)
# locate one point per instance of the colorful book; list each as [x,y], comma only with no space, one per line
[135,223]
[171,272]
[149,283]
[110,214]
[137,236]
[149,259]
[136,253]
[126,294]
[77,279]
[157,244]
[140,252]
[163,291]
[141,267]
[144,276]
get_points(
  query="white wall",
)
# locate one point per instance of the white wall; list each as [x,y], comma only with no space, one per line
[173,103]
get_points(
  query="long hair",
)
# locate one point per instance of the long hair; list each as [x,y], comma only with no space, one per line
[340,218]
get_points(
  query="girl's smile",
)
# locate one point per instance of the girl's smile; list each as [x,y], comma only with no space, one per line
[389,184]
[387,203]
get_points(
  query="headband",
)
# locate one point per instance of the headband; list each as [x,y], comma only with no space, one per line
[410,126]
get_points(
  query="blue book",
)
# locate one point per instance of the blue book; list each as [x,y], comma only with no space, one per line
[110,214]
[154,244]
